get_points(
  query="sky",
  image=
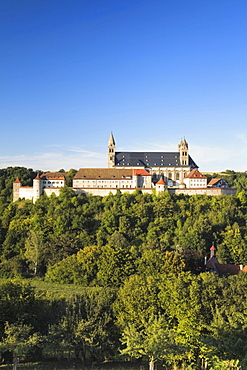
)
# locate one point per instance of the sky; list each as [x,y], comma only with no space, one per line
[150,71]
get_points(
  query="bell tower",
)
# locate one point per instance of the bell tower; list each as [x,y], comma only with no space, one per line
[183,149]
[111,151]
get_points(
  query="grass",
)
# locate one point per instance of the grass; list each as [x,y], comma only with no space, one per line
[65,365]
[54,290]
[57,290]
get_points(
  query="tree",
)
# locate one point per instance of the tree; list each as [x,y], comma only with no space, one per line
[137,301]
[115,264]
[19,339]
[17,301]
[69,176]
[234,240]
[86,328]
[181,297]
[153,340]
[33,248]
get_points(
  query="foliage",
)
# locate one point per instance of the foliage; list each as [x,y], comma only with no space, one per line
[136,260]
[153,340]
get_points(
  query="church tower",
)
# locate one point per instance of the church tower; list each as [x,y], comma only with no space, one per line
[183,149]
[111,151]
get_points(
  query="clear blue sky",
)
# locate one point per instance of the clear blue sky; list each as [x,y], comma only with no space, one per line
[150,71]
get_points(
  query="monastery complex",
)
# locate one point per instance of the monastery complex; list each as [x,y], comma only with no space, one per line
[128,171]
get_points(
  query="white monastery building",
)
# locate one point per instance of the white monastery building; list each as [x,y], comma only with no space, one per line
[48,183]
[128,171]
[195,180]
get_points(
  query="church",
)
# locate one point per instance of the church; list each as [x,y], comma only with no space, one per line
[127,171]
[173,167]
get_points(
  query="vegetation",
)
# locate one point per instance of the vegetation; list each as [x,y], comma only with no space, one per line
[95,278]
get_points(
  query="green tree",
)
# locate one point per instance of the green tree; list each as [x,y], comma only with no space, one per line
[115,264]
[34,248]
[137,300]
[154,340]
[19,339]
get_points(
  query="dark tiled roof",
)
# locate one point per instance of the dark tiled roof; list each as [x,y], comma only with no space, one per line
[220,268]
[230,269]
[150,159]
[211,263]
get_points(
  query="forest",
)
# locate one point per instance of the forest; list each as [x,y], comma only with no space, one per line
[138,260]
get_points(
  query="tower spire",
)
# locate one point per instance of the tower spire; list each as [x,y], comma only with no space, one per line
[111,140]
[111,151]
[212,251]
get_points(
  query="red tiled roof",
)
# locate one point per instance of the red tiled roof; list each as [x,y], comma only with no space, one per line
[213,248]
[195,174]
[37,177]
[161,182]
[141,172]
[213,182]
[17,181]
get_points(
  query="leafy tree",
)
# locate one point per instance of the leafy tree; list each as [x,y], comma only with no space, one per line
[115,264]
[80,268]
[69,177]
[154,340]
[137,301]
[17,303]
[87,327]
[34,246]
[19,339]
